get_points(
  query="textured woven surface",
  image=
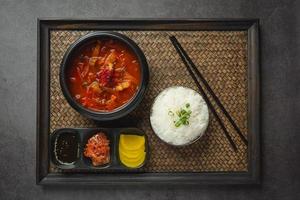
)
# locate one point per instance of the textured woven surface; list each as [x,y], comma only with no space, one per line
[222,58]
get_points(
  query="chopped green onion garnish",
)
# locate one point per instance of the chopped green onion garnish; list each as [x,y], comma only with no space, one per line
[182,115]
[178,123]
[170,113]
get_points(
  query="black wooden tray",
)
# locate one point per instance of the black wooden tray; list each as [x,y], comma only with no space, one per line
[252,176]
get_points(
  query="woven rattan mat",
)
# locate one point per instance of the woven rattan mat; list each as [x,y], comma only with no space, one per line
[222,58]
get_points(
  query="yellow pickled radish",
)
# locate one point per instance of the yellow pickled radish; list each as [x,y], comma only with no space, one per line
[132,156]
[132,150]
[133,163]
[132,142]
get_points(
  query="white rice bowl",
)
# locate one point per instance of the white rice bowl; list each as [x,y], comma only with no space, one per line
[171,100]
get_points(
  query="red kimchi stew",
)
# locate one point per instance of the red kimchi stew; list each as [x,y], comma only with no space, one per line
[104,75]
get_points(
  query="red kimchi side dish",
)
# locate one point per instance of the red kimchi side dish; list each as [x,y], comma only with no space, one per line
[104,75]
[97,148]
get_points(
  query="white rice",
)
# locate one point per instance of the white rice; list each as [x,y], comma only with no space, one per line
[172,99]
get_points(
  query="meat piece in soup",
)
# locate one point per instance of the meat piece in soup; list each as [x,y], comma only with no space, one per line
[104,75]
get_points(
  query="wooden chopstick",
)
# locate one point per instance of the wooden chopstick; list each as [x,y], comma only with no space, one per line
[179,51]
[205,83]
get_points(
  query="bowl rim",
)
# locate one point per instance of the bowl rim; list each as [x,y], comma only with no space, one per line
[122,110]
[177,145]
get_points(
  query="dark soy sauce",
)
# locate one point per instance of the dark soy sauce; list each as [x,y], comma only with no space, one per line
[66,148]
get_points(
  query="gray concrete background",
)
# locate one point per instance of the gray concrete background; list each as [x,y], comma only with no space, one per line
[280,70]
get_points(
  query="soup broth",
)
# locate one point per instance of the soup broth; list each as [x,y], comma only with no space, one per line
[104,75]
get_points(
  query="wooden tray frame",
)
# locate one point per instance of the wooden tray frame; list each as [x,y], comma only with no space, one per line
[44,177]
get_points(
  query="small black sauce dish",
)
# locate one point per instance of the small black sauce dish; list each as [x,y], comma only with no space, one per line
[65,148]
[120,111]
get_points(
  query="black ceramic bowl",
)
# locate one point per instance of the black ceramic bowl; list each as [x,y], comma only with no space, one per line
[120,111]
